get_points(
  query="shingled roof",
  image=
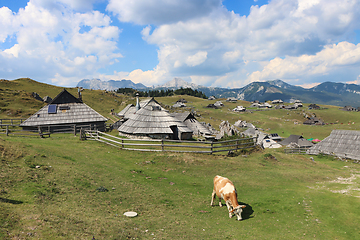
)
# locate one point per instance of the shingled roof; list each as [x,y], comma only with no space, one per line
[342,143]
[191,122]
[64,109]
[299,140]
[151,119]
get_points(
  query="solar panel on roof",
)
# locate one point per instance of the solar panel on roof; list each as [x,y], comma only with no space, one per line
[52,108]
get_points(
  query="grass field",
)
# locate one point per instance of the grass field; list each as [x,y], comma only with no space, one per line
[55,188]
[287,196]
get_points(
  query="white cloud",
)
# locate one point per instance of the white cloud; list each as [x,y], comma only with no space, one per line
[273,32]
[161,11]
[332,58]
[196,59]
[78,5]
[57,44]
[302,41]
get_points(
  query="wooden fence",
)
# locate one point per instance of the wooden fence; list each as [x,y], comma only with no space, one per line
[162,145]
[42,131]
[11,122]
[299,150]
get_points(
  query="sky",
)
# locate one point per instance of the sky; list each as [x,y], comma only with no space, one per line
[214,43]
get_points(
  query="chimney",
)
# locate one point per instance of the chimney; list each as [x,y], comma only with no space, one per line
[79,93]
[137,107]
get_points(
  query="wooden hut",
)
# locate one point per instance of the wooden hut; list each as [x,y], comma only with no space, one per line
[64,113]
[298,140]
[342,143]
[151,120]
[192,123]
[314,121]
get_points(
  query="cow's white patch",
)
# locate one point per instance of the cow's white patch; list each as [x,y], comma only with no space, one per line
[228,188]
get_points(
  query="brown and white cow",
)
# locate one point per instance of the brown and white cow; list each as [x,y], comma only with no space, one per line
[225,189]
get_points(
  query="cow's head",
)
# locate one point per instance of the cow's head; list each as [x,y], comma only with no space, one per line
[237,211]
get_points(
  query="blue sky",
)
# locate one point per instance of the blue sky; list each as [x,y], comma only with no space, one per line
[228,43]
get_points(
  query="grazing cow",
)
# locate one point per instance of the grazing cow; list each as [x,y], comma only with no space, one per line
[225,189]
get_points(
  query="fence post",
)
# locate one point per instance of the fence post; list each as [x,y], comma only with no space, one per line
[7,130]
[74,129]
[122,141]
[162,144]
[81,134]
[212,144]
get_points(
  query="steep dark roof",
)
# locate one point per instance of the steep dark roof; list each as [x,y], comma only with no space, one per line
[65,97]
[300,140]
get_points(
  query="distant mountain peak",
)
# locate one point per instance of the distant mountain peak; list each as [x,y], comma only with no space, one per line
[110,85]
[179,83]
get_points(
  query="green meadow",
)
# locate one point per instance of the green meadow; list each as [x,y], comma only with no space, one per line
[64,188]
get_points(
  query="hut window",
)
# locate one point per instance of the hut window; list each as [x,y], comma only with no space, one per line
[52,108]
[155,108]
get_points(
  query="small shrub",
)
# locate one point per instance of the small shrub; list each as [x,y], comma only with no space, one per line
[102,189]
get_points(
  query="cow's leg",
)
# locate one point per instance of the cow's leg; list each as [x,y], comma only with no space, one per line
[229,207]
[220,202]
[212,197]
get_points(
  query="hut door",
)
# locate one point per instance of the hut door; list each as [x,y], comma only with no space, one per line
[175,132]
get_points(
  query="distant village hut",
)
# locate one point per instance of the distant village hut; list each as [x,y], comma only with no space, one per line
[36,96]
[239,109]
[313,106]
[219,104]
[192,123]
[267,142]
[64,113]
[255,104]
[348,108]
[231,99]
[314,121]
[298,140]
[341,143]
[265,105]
[280,106]
[47,99]
[182,100]
[149,119]
[277,101]
[179,105]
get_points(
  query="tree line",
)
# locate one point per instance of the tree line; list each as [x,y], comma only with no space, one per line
[162,93]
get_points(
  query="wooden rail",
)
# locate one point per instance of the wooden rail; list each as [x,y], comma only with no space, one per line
[43,130]
[11,122]
[10,131]
[163,145]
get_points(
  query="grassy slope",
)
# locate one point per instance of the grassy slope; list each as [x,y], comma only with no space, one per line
[287,197]
[17,101]
[290,196]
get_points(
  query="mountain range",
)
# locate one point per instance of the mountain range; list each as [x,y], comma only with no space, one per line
[330,93]
[111,85]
